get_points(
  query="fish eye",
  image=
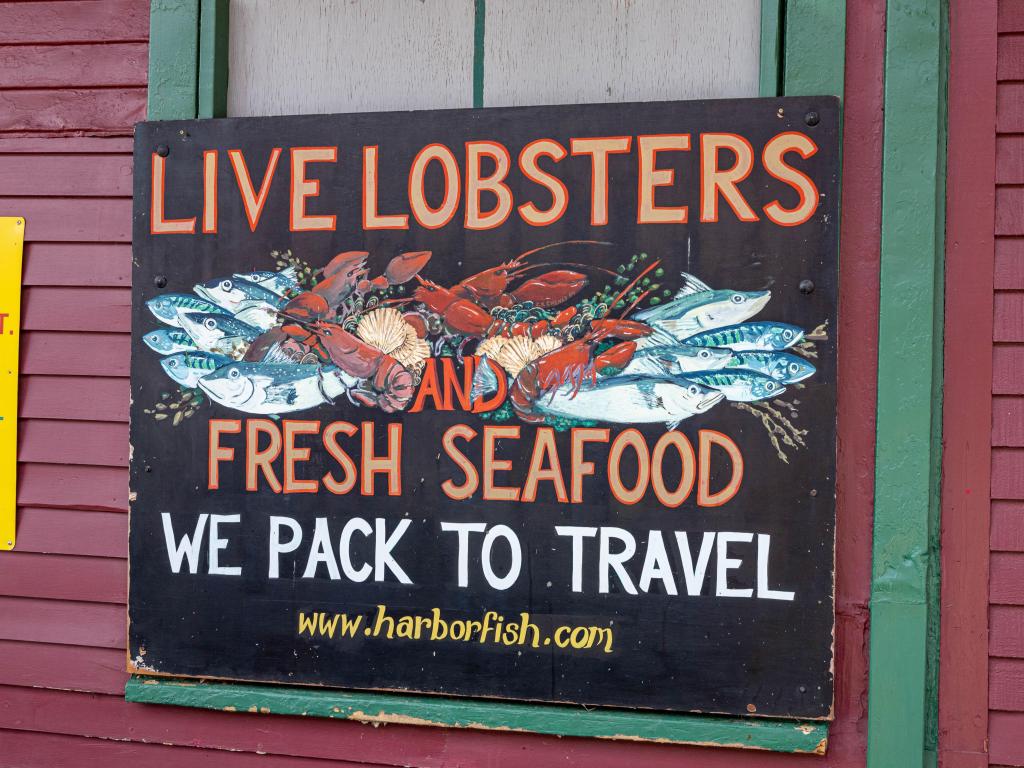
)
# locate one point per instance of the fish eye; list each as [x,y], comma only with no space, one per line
[770,386]
[210,323]
[225,284]
[787,334]
[172,363]
[703,354]
[692,389]
[793,367]
[737,298]
[233,373]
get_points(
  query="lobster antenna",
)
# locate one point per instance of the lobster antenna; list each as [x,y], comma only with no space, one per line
[528,267]
[633,306]
[562,242]
[630,287]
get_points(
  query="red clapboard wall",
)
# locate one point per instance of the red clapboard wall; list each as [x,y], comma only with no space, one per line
[1006,585]
[72,83]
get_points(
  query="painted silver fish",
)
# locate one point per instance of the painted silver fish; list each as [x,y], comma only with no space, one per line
[278,282]
[675,359]
[697,307]
[166,308]
[219,333]
[187,368]
[167,341]
[631,400]
[739,386]
[249,302]
[274,388]
[761,336]
[781,366]
[485,380]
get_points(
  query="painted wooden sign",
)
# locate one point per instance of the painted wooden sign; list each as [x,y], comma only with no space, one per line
[12,239]
[534,404]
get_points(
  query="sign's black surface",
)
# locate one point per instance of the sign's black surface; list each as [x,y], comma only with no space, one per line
[527,403]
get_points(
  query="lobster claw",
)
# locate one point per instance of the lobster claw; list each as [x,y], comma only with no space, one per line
[620,329]
[405,266]
[307,307]
[551,288]
[617,356]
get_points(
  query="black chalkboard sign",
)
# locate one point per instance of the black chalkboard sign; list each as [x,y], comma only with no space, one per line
[532,403]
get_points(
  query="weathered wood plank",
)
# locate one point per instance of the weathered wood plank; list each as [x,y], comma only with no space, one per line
[26,749]
[1006,738]
[1008,315]
[536,51]
[78,264]
[1009,264]
[99,625]
[86,443]
[1008,421]
[77,487]
[1010,210]
[1006,579]
[361,57]
[1006,684]
[104,175]
[73,66]
[1006,533]
[62,667]
[1006,631]
[1010,58]
[75,398]
[60,219]
[72,532]
[1011,16]
[111,717]
[1010,108]
[1007,473]
[77,21]
[108,110]
[75,354]
[67,308]
[64,577]
[1010,159]
[67,145]
[1007,363]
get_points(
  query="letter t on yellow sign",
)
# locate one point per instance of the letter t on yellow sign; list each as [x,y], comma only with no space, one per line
[12,238]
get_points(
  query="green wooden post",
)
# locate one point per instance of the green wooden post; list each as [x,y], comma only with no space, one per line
[771,47]
[814,55]
[173,59]
[904,608]
[479,21]
[213,58]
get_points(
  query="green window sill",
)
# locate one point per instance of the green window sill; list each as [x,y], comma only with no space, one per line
[707,730]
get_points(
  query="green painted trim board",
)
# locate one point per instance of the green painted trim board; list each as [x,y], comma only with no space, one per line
[173,59]
[813,61]
[479,25]
[212,82]
[772,24]
[904,608]
[746,733]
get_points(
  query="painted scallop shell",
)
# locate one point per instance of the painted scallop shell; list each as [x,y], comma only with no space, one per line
[392,334]
[518,351]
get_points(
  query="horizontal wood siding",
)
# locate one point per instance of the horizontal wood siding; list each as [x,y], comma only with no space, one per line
[67,107]
[1006,566]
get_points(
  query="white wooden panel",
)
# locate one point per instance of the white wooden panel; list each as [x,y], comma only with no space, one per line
[578,51]
[317,56]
